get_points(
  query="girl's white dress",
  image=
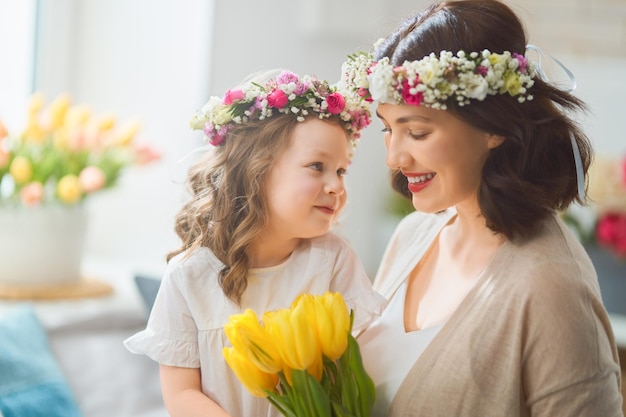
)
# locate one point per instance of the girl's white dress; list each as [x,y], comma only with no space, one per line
[185,327]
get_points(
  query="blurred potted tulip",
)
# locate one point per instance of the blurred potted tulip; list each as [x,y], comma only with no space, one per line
[602,227]
[303,359]
[607,189]
[64,155]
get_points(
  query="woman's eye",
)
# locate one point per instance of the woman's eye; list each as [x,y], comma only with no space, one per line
[418,135]
[385,131]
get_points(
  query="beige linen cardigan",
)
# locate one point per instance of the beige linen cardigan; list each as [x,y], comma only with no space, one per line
[531,338]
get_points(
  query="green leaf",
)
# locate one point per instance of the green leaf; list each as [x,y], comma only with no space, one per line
[314,400]
[340,411]
[282,403]
[364,384]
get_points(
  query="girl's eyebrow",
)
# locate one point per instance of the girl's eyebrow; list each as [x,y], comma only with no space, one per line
[406,119]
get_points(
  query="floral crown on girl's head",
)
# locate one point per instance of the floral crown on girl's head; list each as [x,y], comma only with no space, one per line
[288,94]
[436,81]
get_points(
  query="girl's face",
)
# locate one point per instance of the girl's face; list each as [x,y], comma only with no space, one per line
[441,156]
[305,187]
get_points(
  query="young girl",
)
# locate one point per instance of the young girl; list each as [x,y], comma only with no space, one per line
[255,234]
[495,308]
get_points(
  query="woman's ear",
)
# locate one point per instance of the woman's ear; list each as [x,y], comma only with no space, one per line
[493,141]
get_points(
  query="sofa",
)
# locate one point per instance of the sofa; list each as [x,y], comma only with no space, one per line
[66,357]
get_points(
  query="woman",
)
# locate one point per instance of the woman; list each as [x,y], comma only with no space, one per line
[494,306]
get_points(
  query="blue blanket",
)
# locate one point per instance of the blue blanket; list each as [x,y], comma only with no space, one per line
[31,382]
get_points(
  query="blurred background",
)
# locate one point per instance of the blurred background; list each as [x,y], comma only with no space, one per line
[158,61]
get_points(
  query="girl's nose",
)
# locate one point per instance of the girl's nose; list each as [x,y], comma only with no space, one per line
[335,185]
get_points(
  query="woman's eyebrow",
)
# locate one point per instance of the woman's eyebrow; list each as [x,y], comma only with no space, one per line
[406,119]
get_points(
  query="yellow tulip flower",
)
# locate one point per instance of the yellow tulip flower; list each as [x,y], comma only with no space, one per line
[69,190]
[77,116]
[255,380]
[333,324]
[127,133]
[36,103]
[105,123]
[247,336]
[58,109]
[21,170]
[293,336]
[331,320]
[33,132]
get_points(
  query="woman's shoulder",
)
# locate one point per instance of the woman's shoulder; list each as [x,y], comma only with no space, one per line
[552,263]
[554,246]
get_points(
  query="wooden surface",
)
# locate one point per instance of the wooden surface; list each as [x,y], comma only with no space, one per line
[83,288]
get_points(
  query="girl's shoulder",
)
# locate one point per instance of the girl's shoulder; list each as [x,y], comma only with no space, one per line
[331,243]
[199,263]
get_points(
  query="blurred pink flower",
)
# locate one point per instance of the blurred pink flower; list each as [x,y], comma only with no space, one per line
[145,154]
[91,179]
[32,194]
[611,232]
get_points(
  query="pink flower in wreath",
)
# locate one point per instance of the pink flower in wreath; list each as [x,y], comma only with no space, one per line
[277,99]
[233,95]
[287,77]
[523,62]
[414,99]
[336,103]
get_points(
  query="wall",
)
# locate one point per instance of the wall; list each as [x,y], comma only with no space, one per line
[140,59]
[159,60]
[17,24]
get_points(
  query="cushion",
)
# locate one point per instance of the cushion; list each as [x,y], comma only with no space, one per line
[31,381]
[148,288]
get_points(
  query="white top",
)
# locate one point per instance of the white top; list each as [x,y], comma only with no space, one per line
[388,351]
[185,327]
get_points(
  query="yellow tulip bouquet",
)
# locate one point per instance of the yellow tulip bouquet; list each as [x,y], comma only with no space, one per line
[303,359]
[65,154]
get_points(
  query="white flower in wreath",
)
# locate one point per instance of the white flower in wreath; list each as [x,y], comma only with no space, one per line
[477,88]
[382,84]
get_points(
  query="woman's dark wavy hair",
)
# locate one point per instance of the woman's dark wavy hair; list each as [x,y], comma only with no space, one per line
[533,173]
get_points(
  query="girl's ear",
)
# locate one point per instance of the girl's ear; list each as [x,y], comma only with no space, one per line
[493,141]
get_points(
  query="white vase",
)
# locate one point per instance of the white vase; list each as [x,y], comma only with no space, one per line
[41,245]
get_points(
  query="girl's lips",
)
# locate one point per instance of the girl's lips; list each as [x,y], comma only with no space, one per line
[326,209]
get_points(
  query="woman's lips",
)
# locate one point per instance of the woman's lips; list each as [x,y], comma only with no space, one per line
[417,182]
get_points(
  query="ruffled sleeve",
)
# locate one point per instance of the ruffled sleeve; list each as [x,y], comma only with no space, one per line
[350,279]
[171,335]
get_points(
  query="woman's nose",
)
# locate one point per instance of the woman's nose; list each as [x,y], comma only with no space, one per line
[397,154]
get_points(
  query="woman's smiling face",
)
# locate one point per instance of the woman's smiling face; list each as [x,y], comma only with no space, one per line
[441,156]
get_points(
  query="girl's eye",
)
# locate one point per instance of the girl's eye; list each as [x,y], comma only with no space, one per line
[341,172]
[318,166]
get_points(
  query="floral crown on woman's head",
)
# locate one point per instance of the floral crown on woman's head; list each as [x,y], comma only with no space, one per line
[288,94]
[436,81]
